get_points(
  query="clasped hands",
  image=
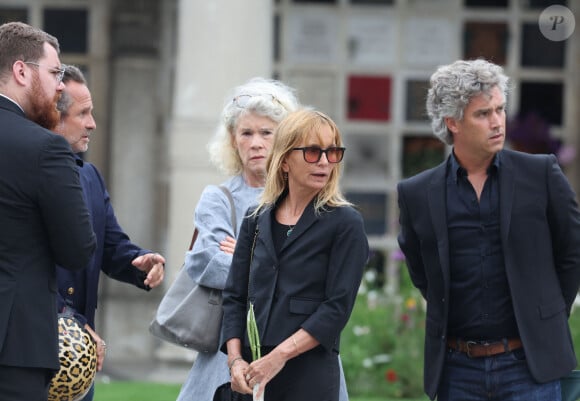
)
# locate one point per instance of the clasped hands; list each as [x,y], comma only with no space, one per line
[245,376]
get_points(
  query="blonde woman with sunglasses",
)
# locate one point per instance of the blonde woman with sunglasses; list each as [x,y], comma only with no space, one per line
[299,261]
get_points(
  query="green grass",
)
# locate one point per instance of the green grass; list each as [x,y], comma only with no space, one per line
[139,391]
[135,391]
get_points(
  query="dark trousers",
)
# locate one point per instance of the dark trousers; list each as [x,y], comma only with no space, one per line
[90,394]
[502,377]
[24,384]
[312,376]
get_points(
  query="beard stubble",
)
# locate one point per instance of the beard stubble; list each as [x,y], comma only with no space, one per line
[42,109]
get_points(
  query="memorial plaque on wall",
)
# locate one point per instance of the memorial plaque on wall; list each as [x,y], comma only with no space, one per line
[312,37]
[372,39]
[69,26]
[416,95]
[373,207]
[421,153]
[540,4]
[366,156]
[317,89]
[369,98]
[315,1]
[538,51]
[382,2]
[543,98]
[486,3]
[426,6]
[487,40]
[10,14]
[429,42]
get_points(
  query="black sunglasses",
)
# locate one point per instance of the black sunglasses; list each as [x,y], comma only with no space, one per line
[312,154]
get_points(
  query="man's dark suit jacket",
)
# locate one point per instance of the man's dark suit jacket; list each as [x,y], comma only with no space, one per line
[312,283]
[43,221]
[78,290]
[540,234]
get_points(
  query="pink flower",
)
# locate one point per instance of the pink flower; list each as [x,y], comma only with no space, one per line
[566,154]
[398,255]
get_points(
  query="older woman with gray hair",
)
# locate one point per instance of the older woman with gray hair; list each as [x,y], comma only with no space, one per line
[239,149]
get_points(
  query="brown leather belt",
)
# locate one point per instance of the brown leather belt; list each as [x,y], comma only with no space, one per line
[480,349]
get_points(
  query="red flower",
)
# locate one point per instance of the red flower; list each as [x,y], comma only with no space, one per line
[391,375]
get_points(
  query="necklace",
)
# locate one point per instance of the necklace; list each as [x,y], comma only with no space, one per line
[289,218]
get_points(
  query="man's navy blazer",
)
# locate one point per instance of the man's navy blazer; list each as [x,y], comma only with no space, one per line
[540,236]
[78,290]
[312,283]
[43,221]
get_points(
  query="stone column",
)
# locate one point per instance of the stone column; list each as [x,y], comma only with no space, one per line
[141,44]
[221,44]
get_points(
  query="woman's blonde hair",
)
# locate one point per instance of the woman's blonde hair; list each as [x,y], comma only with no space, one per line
[289,134]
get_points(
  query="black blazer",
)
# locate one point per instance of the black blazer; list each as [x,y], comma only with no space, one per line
[43,221]
[540,234]
[312,284]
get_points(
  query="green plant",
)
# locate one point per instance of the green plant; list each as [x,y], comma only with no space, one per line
[382,344]
[135,391]
[574,322]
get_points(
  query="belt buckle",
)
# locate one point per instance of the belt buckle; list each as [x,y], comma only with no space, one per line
[468,345]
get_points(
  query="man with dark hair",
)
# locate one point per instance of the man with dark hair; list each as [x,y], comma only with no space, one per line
[116,255]
[43,217]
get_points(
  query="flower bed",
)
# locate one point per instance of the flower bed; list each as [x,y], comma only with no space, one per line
[382,345]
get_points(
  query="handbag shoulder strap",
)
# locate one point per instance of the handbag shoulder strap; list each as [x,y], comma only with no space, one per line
[233,212]
[252,258]
[193,238]
[232,207]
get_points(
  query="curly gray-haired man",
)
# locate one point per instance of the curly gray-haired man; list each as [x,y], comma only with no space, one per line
[492,240]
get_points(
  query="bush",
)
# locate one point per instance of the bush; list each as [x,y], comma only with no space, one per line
[574,322]
[382,344]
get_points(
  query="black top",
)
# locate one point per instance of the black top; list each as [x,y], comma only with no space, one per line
[480,302]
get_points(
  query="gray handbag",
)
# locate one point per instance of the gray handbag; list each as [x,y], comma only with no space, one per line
[190,315]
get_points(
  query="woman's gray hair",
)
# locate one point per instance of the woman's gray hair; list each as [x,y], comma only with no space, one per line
[454,85]
[264,97]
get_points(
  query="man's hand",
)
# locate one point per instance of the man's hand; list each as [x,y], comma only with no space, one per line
[101,347]
[154,265]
